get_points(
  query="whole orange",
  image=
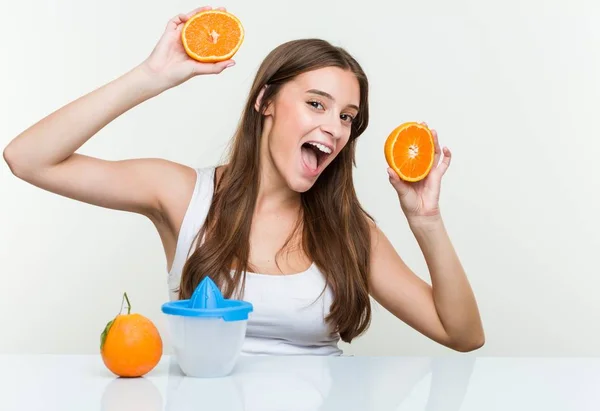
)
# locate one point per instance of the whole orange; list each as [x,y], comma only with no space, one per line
[130,344]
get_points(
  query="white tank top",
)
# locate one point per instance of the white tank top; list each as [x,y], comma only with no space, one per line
[289,310]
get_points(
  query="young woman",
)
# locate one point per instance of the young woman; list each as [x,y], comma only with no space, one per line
[279,224]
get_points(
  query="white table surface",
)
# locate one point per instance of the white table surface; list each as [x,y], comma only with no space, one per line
[463,382]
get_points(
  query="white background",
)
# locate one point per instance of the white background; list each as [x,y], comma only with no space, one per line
[512,88]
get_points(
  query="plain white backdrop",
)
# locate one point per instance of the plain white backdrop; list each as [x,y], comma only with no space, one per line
[513,88]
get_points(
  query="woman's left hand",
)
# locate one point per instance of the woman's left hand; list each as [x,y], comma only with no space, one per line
[420,200]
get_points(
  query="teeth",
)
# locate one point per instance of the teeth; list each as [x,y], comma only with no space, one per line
[321,147]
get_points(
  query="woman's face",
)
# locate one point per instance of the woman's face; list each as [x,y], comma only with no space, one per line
[309,123]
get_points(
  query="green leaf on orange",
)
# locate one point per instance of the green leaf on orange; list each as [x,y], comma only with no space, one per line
[105,333]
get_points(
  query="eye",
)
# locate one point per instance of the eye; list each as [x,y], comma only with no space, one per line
[347,117]
[315,104]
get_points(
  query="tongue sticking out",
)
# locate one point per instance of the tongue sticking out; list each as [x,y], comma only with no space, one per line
[310,158]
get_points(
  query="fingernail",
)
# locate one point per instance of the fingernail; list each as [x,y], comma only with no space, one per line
[230,64]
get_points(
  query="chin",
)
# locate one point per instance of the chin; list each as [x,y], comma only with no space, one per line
[300,184]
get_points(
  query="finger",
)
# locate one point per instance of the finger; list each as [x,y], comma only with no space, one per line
[212,68]
[441,169]
[446,160]
[437,150]
[401,187]
[182,18]
[198,10]
[176,21]
[221,8]
[436,145]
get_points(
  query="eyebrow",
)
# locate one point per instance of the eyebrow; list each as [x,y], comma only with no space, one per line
[329,96]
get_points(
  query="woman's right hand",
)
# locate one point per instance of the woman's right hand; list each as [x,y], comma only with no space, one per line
[169,65]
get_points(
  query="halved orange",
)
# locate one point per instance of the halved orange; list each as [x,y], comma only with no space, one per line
[211,36]
[409,151]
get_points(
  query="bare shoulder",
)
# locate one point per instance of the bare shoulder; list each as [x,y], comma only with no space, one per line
[378,239]
[174,185]
[170,187]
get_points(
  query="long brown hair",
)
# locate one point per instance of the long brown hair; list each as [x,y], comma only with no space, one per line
[334,228]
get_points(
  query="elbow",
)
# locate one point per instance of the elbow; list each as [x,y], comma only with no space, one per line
[12,160]
[8,156]
[470,345]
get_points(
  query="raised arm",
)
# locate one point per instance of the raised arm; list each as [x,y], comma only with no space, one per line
[45,154]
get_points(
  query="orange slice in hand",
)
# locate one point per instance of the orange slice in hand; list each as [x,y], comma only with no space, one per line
[410,150]
[211,36]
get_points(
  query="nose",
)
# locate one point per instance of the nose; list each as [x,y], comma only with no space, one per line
[332,126]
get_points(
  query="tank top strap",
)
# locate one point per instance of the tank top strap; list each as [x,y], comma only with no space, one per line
[193,220]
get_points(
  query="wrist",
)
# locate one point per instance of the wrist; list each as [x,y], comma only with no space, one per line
[426,223]
[148,81]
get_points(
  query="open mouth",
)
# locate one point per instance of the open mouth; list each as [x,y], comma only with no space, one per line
[314,154]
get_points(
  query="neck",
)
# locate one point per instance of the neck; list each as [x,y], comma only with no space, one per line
[274,194]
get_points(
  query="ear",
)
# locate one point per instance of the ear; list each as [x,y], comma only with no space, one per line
[258,101]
